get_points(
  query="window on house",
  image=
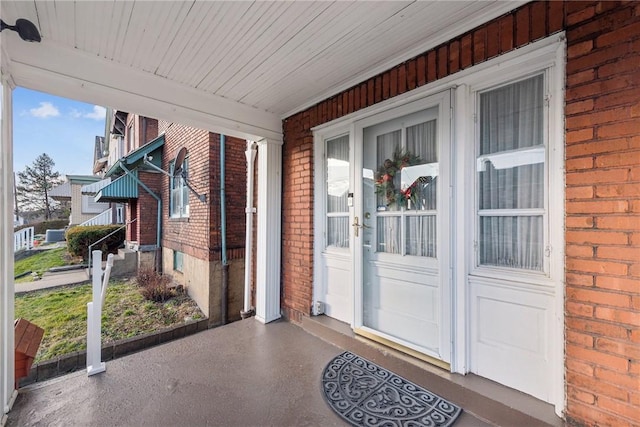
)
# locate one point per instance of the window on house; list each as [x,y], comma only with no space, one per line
[510,167]
[178,261]
[130,141]
[337,168]
[179,203]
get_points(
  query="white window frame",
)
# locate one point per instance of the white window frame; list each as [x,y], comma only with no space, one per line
[181,210]
[178,261]
[501,271]
[346,214]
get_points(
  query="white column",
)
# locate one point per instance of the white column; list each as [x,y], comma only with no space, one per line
[269,236]
[7,391]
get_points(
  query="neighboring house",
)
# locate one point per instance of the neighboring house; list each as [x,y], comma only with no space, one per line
[83,207]
[471,199]
[187,242]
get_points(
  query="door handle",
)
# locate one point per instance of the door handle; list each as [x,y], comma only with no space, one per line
[357,226]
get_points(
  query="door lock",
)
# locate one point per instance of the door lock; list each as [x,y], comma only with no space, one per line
[357,226]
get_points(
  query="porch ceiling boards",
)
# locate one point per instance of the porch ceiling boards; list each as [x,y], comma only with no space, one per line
[274,57]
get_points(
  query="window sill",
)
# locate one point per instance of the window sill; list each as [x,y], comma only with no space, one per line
[179,219]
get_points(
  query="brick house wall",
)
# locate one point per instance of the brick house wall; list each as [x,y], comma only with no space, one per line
[602,304]
[199,235]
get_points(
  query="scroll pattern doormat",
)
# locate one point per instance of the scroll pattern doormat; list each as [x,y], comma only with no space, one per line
[364,394]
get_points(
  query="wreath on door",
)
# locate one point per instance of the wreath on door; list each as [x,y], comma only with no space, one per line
[389,187]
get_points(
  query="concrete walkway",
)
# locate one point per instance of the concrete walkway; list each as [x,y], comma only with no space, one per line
[242,374]
[54,280]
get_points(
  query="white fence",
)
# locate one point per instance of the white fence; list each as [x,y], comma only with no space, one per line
[105,218]
[23,239]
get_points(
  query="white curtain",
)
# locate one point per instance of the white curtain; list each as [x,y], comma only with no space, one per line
[511,120]
[337,168]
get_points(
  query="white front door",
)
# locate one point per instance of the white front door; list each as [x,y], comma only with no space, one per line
[401,224]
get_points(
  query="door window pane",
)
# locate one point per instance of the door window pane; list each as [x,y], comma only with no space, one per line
[389,234]
[337,172]
[512,241]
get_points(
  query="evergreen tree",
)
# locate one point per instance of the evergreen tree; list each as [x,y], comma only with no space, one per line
[35,183]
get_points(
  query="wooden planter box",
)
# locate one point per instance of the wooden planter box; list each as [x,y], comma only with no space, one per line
[27,341]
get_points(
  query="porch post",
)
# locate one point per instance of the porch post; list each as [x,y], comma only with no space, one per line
[7,390]
[269,237]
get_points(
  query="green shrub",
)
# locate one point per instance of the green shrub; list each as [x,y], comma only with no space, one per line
[154,286]
[79,239]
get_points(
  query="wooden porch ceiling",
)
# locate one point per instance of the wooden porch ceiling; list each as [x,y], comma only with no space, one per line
[261,60]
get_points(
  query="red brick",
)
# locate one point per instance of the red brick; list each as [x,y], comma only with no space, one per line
[618,190]
[617,159]
[598,176]
[443,61]
[596,88]
[619,35]
[538,20]
[402,78]
[579,107]
[580,367]
[579,339]
[613,206]
[506,33]
[523,35]
[581,15]
[597,147]
[580,395]
[493,39]
[575,279]
[411,75]
[466,53]
[393,84]
[621,66]
[618,283]
[579,49]
[580,310]
[598,327]
[579,222]
[617,378]
[581,163]
[595,237]
[581,77]
[589,383]
[579,251]
[628,222]
[632,413]
[589,414]
[622,348]
[422,70]
[454,56]
[479,45]
[614,99]
[377,95]
[431,66]
[386,85]
[619,253]
[596,296]
[579,135]
[556,15]
[618,316]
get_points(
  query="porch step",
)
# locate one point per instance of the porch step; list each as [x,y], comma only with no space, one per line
[125,263]
[485,399]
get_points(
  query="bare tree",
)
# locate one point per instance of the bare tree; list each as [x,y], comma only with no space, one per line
[35,183]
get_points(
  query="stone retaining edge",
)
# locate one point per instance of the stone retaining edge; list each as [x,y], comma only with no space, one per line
[77,360]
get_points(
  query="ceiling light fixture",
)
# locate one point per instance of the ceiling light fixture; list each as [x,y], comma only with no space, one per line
[25,29]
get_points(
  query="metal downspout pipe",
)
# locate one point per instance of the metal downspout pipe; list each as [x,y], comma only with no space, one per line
[223,232]
[159,200]
[249,211]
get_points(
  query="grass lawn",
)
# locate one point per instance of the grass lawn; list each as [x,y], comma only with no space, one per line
[62,313]
[42,261]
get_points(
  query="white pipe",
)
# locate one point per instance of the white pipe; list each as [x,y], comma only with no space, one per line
[250,153]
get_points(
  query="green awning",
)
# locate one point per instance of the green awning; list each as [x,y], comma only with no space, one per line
[120,190]
[135,158]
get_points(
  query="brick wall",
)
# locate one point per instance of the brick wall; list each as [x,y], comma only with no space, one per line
[603,213]
[148,208]
[199,235]
[603,186]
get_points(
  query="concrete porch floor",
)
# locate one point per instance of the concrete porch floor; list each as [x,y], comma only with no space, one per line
[242,374]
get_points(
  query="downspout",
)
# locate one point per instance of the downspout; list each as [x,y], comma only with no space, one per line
[248,245]
[223,232]
[159,200]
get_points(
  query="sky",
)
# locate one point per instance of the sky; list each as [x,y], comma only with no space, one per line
[62,128]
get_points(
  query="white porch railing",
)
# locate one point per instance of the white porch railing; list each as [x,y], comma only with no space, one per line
[23,239]
[104,218]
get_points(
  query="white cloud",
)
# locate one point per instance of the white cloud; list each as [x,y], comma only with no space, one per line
[98,113]
[45,110]
[75,114]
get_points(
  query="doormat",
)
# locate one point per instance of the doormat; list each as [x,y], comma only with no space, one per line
[364,394]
